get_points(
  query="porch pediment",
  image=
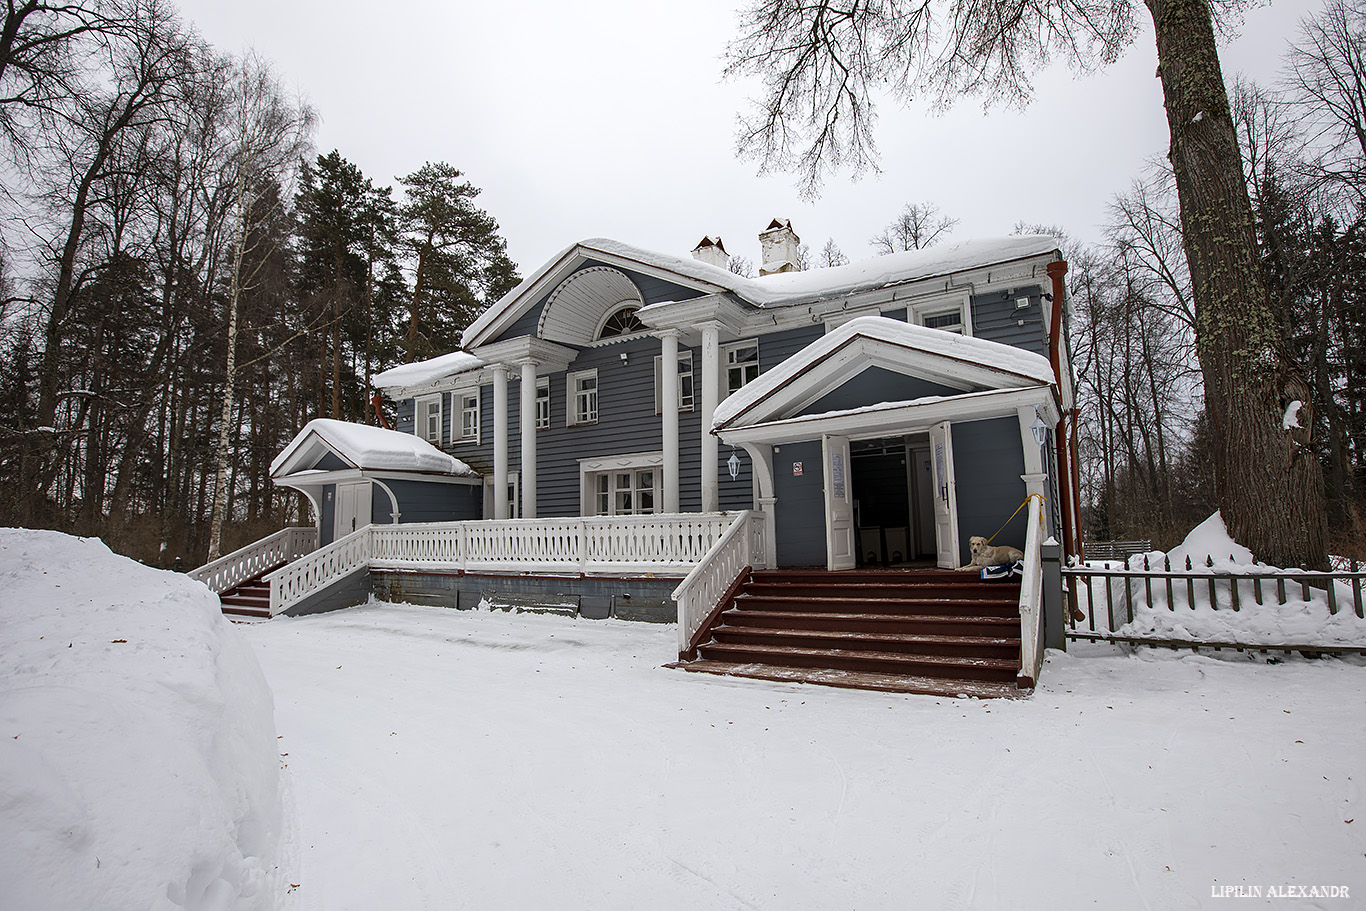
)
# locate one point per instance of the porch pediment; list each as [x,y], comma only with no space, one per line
[326,445]
[885,365]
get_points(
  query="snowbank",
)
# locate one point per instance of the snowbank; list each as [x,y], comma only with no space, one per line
[138,758]
[1190,614]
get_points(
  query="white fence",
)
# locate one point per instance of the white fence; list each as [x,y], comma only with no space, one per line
[662,544]
[742,546]
[237,567]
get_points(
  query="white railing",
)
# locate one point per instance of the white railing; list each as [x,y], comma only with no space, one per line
[1031,598]
[664,544]
[658,543]
[237,567]
[741,546]
[291,584]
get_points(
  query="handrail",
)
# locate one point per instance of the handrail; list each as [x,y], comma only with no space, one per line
[306,575]
[231,570]
[1031,599]
[649,544]
[700,591]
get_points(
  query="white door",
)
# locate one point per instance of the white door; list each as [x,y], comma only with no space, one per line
[839,505]
[353,507]
[945,497]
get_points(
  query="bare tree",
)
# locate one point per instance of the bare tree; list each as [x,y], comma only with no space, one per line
[831,255]
[740,266]
[265,134]
[919,225]
[1327,81]
[821,63]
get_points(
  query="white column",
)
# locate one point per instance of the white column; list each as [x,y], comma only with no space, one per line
[528,439]
[669,411]
[500,441]
[711,383]
[1035,471]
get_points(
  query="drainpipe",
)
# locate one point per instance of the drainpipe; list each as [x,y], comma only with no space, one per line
[1056,271]
[377,400]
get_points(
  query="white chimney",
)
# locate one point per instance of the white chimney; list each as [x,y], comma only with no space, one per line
[710,250]
[778,243]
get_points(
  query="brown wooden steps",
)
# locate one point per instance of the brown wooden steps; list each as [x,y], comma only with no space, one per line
[249,600]
[936,632]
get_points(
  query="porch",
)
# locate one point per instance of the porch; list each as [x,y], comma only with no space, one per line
[299,575]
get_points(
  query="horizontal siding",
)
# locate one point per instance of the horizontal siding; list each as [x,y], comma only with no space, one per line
[995,319]
[874,386]
[799,512]
[420,501]
[987,464]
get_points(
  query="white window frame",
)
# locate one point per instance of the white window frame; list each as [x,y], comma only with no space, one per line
[573,414]
[543,403]
[613,468]
[468,433]
[687,392]
[514,495]
[727,366]
[422,416]
[918,313]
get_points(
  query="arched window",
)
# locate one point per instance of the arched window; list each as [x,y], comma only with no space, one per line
[622,322]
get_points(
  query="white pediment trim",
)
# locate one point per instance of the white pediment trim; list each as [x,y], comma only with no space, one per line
[943,358]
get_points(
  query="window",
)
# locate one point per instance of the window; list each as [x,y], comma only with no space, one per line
[427,419]
[583,399]
[685,388]
[469,416]
[624,493]
[543,403]
[742,364]
[623,321]
[941,315]
[949,321]
[514,495]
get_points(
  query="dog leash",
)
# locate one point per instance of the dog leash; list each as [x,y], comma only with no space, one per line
[1042,500]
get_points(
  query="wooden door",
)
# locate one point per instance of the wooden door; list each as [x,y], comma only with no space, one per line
[840,539]
[945,497]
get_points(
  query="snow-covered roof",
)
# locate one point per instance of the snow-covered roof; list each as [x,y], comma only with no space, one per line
[370,448]
[787,288]
[420,373]
[947,352]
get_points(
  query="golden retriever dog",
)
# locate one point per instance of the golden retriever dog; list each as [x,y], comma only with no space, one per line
[984,554]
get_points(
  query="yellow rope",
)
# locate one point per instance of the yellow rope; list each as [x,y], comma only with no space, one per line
[1042,500]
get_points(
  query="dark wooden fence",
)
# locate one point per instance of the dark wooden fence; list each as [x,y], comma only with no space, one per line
[1116,550]
[1109,595]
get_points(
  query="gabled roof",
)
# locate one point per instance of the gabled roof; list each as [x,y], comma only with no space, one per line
[960,362]
[786,289]
[366,448]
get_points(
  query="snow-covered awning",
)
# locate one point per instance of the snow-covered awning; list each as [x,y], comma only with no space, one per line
[425,373]
[358,446]
[971,365]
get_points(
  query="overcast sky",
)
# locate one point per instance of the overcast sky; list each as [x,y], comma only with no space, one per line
[609,119]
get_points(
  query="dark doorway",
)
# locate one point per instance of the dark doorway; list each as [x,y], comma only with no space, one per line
[886,492]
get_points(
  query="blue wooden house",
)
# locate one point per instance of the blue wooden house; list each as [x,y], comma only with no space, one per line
[636,418]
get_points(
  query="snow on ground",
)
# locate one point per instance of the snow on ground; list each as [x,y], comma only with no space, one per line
[1190,614]
[458,759]
[138,759]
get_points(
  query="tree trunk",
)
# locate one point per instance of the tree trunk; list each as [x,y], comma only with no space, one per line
[1269,483]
